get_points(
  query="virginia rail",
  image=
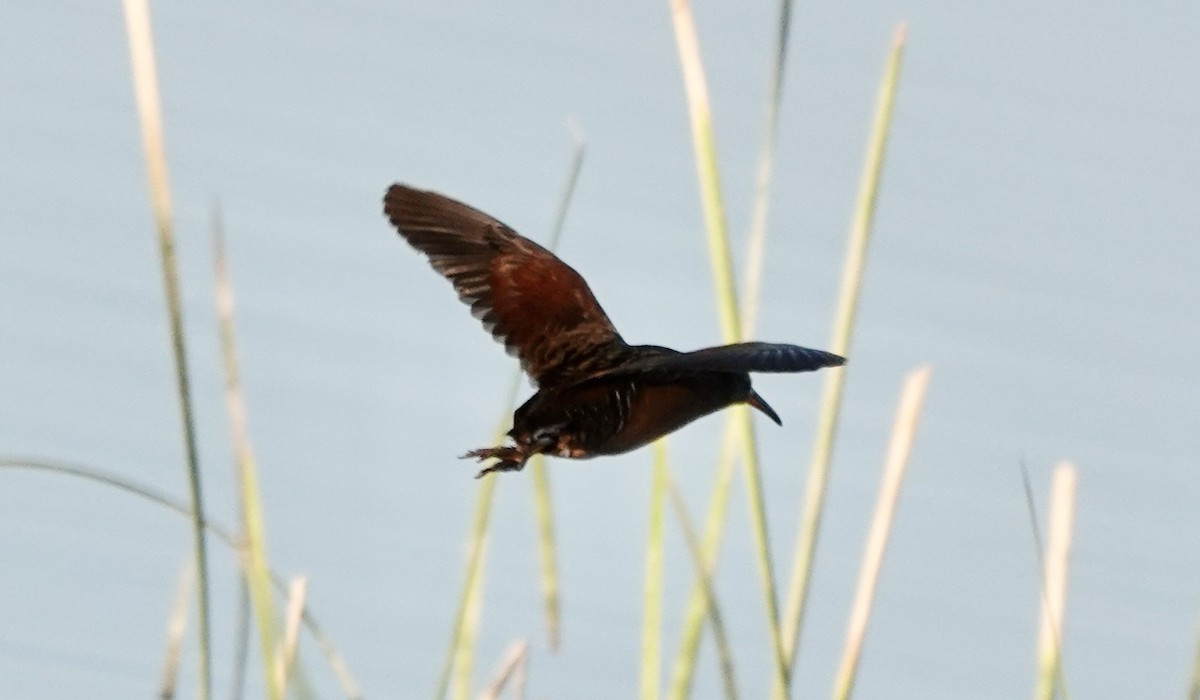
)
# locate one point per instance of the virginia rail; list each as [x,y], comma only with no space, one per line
[596,394]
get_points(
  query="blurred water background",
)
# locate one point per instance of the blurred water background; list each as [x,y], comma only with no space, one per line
[1036,242]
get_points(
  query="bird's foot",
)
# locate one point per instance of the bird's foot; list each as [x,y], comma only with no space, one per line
[510,458]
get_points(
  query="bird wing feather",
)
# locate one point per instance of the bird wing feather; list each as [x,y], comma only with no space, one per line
[535,304]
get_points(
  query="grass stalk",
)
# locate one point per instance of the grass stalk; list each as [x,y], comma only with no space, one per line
[543,510]
[254,551]
[903,433]
[459,653]
[241,640]
[1054,582]
[578,154]
[704,576]
[285,656]
[461,647]
[718,245]
[460,650]
[652,595]
[831,401]
[683,670]
[226,535]
[1039,555]
[543,513]
[465,653]
[1194,685]
[332,656]
[176,627]
[756,243]
[118,482]
[715,516]
[512,667]
[145,84]
[704,145]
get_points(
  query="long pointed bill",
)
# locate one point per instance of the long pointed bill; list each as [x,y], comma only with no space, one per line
[757,401]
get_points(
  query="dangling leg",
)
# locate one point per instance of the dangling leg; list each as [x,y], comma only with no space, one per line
[512,458]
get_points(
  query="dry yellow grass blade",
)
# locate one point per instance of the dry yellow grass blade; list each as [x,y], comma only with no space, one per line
[1194,686]
[465,657]
[512,667]
[254,559]
[460,651]
[145,88]
[285,656]
[831,401]
[176,626]
[903,433]
[1054,583]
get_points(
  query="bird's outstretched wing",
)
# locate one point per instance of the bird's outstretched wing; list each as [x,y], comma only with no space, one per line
[534,303]
[739,357]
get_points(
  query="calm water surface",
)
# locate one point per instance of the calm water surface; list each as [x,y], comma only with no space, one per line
[1035,243]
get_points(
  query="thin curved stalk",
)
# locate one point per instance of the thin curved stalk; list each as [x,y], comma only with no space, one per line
[332,656]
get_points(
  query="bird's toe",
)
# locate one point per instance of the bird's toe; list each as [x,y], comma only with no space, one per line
[504,465]
[510,458]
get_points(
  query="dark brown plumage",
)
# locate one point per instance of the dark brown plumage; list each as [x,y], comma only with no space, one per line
[597,395]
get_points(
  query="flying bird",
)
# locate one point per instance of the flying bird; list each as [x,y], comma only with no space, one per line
[596,394]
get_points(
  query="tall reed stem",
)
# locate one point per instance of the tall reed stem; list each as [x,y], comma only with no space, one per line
[831,401]
[145,84]
[707,173]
